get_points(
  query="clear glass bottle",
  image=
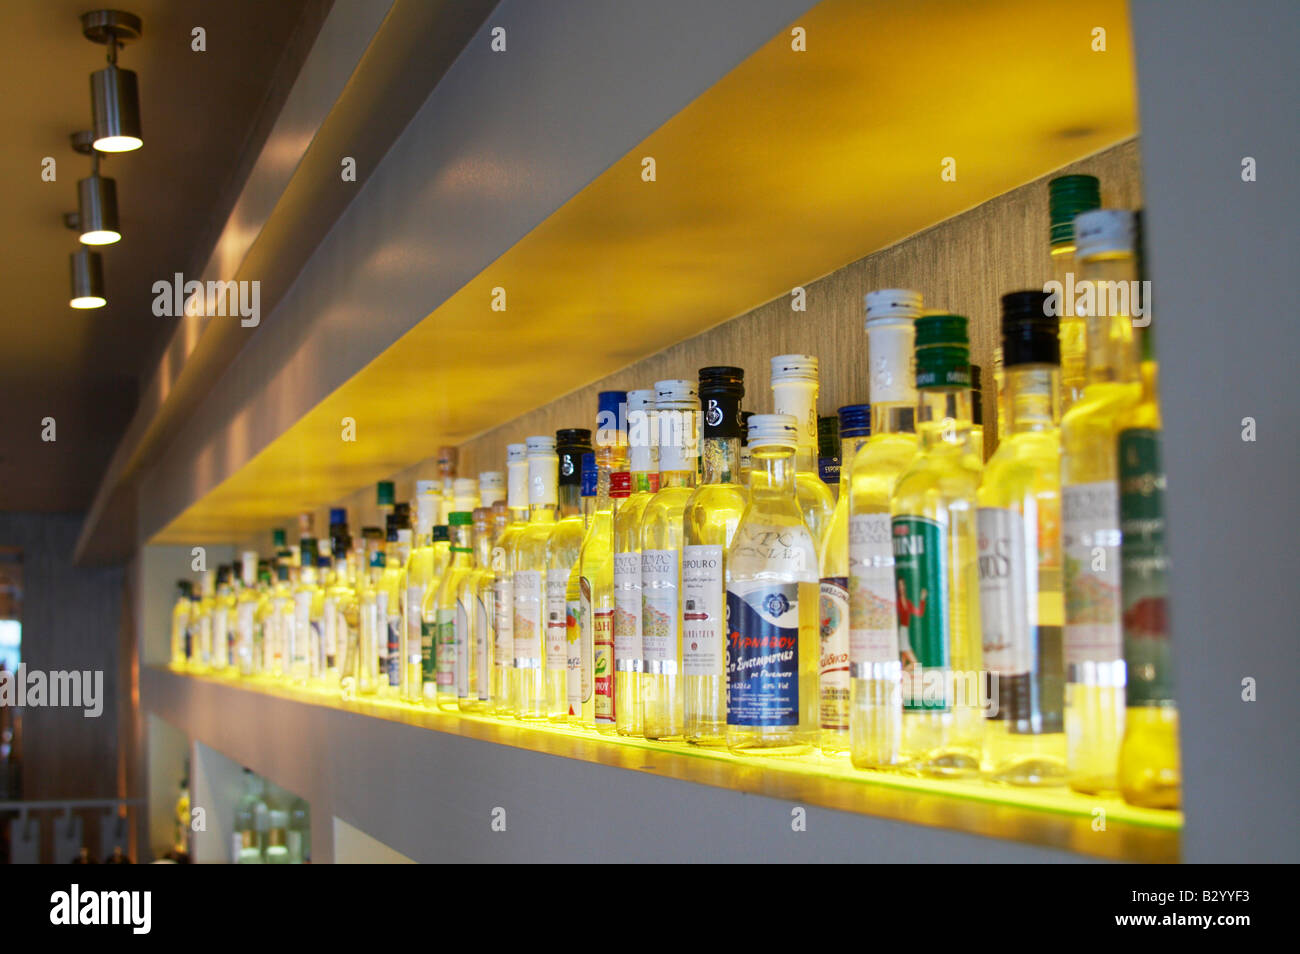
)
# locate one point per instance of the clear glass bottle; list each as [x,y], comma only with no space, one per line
[562,549]
[1019,523]
[340,613]
[529,569]
[307,608]
[853,428]
[391,591]
[631,491]
[277,848]
[932,518]
[771,572]
[282,610]
[495,676]
[246,606]
[662,715]
[474,664]
[419,579]
[794,392]
[1069,196]
[448,612]
[299,833]
[221,606]
[250,810]
[180,650]
[505,690]
[709,520]
[596,562]
[264,625]
[1090,531]
[578,631]
[875,663]
[372,643]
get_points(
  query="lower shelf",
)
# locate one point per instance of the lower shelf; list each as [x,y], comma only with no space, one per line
[237,714]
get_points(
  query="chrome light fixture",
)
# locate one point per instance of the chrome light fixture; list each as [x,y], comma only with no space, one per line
[87,280]
[96,199]
[114,92]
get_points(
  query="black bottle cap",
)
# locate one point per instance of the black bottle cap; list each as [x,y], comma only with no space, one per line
[570,444]
[744,426]
[721,390]
[1030,335]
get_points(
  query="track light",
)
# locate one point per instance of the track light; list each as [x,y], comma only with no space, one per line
[87,280]
[96,199]
[114,92]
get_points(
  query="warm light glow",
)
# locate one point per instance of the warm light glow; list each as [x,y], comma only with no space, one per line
[101,237]
[118,143]
[88,301]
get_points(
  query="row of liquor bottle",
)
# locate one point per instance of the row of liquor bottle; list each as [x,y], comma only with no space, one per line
[943,616]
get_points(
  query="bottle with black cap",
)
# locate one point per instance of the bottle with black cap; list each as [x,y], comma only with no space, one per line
[709,522]
[1022,608]
[562,550]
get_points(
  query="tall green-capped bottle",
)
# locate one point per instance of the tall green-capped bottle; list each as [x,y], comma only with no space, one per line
[449,612]
[1068,197]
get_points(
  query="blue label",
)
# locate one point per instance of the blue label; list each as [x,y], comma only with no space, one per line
[763,654]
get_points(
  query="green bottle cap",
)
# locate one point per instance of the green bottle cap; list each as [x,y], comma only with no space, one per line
[385,493]
[942,352]
[277,538]
[461,518]
[1067,197]
[440,534]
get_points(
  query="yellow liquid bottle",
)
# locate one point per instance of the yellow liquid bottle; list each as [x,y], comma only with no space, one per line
[390,593]
[419,578]
[1019,520]
[246,608]
[709,523]
[772,604]
[308,609]
[181,625]
[932,520]
[596,565]
[631,491]
[220,626]
[530,579]
[1068,196]
[504,555]
[372,643]
[579,633]
[662,716]
[450,612]
[340,616]
[833,607]
[562,550]
[794,392]
[1094,656]
[474,665]
[491,670]
[875,665]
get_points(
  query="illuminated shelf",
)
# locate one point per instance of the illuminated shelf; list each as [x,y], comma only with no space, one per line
[1058,819]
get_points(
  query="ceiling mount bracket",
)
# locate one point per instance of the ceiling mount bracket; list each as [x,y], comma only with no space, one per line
[110,26]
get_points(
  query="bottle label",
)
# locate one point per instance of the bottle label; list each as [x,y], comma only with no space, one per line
[557,652]
[464,639]
[586,640]
[429,652]
[627,612]
[503,596]
[921,570]
[659,569]
[301,628]
[1008,591]
[446,675]
[530,609]
[1143,568]
[703,611]
[1090,543]
[833,619]
[602,665]
[573,651]
[762,653]
[873,595]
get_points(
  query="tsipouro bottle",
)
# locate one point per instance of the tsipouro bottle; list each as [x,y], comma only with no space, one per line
[676,405]
[772,604]
[596,561]
[308,603]
[530,578]
[1019,521]
[1094,645]
[854,427]
[710,519]
[449,612]
[340,613]
[875,661]
[932,523]
[505,693]
[794,391]
[562,548]
[577,629]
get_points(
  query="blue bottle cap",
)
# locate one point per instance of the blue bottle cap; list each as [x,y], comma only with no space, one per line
[855,420]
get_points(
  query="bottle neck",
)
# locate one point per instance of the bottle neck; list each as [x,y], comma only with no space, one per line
[893,418]
[799,400]
[944,418]
[483,546]
[1033,397]
[541,513]
[772,472]
[722,460]
[676,478]
[461,549]
[1104,299]
[570,499]
[849,447]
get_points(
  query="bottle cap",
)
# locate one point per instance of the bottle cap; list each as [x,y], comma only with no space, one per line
[620,484]
[589,474]
[722,378]
[892,303]
[390,527]
[611,418]
[423,487]
[447,457]
[277,538]
[1101,231]
[1067,196]
[773,430]
[744,427]
[482,515]
[440,533]
[540,445]
[855,421]
[516,452]
[491,480]
[942,352]
[306,547]
[721,389]
[384,493]
[465,487]
[794,367]
[338,516]
[460,518]
[323,560]
[1029,334]
[940,329]
[372,533]
[570,444]
[675,393]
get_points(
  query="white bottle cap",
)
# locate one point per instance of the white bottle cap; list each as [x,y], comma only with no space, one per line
[465,487]
[425,487]
[773,430]
[675,392]
[516,452]
[491,480]
[541,445]
[892,303]
[794,367]
[1102,230]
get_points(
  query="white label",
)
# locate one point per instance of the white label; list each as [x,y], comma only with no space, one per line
[557,654]
[873,609]
[414,619]
[1008,591]
[704,617]
[504,597]
[301,628]
[244,626]
[627,612]
[530,615]
[659,569]
[463,638]
[573,652]
[1090,545]
[833,626]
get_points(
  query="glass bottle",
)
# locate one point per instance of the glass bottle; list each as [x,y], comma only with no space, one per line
[307,603]
[530,578]
[562,548]
[1019,523]
[853,428]
[448,612]
[577,631]
[709,519]
[794,392]
[419,578]
[505,692]
[474,663]
[249,811]
[491,488]
[875,667]
[932,519]
[282,610]
[221,605]
[389,596]
[771,573]
[340,612]
[180,652]
[1090,531]
[1068,197]
[493,671]
[246,607]
[596,562]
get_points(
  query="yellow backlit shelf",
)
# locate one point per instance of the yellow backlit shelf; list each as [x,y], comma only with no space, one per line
[1100,827]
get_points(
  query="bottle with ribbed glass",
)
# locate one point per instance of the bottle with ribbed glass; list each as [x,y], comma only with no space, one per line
[577,631]
[419,578]
[474,661]
[794,392]
[875,663]
[853,428]
[447,611]
[709,520]
[246,607]
[505,689]
[181,625]
[596,562]
[631,491]
[1149,769]
[1021,603]
[1090,531]
[676,407]
[562,548]
[932,519]
[772,604]
[529,571]
[1068,197]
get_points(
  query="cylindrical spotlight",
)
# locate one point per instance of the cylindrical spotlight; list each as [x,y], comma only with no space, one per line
[87,280]
[97,210]
[115,104]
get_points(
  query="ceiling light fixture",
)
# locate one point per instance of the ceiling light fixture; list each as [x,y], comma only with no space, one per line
[87,280]
[114,93]
[96,198]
